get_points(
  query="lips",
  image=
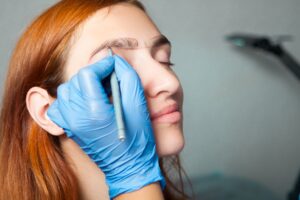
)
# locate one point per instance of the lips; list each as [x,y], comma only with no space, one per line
[167,110]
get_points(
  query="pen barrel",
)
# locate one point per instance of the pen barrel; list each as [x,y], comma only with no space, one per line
[117,105]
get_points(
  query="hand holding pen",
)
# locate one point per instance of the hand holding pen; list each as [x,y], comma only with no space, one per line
[83,110]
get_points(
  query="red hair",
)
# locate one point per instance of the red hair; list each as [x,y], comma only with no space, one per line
[33,165]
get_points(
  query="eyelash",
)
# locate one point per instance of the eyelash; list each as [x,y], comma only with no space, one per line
[168,64]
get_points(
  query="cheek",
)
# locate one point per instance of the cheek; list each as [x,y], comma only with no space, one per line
[179,94]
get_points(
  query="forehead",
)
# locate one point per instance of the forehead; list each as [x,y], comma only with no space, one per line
[121,20]
[118,21]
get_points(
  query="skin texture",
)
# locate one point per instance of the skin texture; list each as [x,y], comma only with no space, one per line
[161,85]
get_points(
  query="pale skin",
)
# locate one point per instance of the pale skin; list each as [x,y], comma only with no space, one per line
[161,86]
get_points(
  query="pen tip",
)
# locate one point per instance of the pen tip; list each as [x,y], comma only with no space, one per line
[110,53]
[122,139]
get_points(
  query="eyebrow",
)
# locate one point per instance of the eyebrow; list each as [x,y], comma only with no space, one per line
[131,43]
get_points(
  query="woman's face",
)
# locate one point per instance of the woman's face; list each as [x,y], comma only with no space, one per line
[147,50]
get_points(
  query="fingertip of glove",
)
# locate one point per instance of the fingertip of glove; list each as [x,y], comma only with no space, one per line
[109,60]
[106,62]
[101,68]
[53,111]
[120,60]
[122,66]
[54,114]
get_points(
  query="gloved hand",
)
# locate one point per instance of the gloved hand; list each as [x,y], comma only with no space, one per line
[84,111]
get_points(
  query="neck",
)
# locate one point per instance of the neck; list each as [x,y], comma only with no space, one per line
[91,179]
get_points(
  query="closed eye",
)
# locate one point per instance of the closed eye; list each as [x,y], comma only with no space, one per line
[168,63]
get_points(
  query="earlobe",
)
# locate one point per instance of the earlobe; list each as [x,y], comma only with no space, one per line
[38,101]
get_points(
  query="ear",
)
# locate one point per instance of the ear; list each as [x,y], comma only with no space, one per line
[38,101]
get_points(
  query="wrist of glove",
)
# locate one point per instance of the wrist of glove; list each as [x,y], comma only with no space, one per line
[83,110]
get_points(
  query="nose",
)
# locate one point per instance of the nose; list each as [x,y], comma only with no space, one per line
[157,78]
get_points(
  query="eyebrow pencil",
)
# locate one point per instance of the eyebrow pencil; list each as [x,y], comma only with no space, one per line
[117,102]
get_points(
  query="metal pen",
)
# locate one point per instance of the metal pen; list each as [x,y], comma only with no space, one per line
[117,102]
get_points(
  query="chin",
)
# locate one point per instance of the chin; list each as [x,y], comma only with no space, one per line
[170,151]
[169,140]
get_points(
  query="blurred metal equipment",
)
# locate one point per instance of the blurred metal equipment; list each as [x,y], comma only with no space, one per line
[272,45]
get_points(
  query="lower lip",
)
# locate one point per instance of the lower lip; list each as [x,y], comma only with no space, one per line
[173,117]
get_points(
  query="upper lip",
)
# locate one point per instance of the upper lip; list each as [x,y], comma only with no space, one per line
[165,110]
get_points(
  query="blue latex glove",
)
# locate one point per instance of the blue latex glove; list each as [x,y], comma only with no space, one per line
[83,110]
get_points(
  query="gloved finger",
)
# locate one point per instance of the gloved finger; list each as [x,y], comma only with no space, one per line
[59,108]
[63,98]
[55,116]
[127,76]
[122,67]
[74,84]
[90,78]
[132,91]
[64,107]
[76,102]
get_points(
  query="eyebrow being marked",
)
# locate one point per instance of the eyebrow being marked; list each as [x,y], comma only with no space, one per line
[131,43]
[124,43]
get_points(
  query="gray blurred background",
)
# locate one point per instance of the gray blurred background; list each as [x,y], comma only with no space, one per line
[241,108]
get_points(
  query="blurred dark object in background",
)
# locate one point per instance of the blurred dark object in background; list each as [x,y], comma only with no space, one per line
[219,187]
[295,193]
[272,45]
